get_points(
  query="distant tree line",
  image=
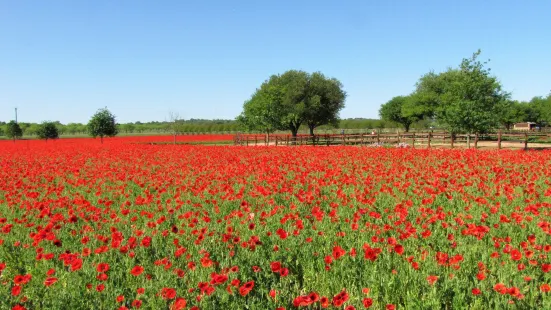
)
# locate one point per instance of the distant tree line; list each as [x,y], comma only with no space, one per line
[191,126]
[185,127]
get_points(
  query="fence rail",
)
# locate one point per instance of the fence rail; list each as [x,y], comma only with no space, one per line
[427,140]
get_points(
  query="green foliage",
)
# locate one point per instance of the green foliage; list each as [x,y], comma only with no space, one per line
[326,99]
[286,101]
[513,112]
[102,124]
[262,111]
[47,130]
[466,99]
[13,130]
[396,110]
[539,110]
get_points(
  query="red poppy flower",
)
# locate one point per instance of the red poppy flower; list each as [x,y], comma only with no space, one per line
[50,281]
[275,266]
[367,302]
[137,270]
[246,288]
[179,304]
[16,290]
[102,267]
[432,279]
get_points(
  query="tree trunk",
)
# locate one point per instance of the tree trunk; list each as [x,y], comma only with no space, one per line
[452,138]
[294,131]
[406,127]
[311,130]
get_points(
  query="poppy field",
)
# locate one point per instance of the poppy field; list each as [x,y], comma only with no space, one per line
[136,226]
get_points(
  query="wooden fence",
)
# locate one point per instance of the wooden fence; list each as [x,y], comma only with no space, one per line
[420,140]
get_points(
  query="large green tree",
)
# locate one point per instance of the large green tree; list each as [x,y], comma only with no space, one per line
[325,99]
[395,110]
[294,98]
[13,130]
[102,124]
[47,130]
[466,99]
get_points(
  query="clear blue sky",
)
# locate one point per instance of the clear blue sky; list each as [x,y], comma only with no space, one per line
[62,60]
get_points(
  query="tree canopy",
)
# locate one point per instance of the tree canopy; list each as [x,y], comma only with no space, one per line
[286,101]
[47,130]
[465,99]
[395,110]
[13,130]
[102,124]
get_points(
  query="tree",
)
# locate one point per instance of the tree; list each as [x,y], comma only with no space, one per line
[513,112]
[13,131]
[539,111]
[47,130]
[24,127]
[286,101]
[467,99]
[175,124]
[325,99]
[102,124]
[262,111]
[393,111]
[61,129]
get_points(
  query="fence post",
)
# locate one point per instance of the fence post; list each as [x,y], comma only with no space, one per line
[499,140]
[343,140]
[430,134]
[525,141]
[247,140]
[276,138]
[287,138]
[413,140]
[378,138]
[452,138]
[476,141]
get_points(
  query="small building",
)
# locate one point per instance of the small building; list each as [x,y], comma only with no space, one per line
[525,126]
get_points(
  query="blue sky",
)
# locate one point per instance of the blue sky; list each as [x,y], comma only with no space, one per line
[63,60]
